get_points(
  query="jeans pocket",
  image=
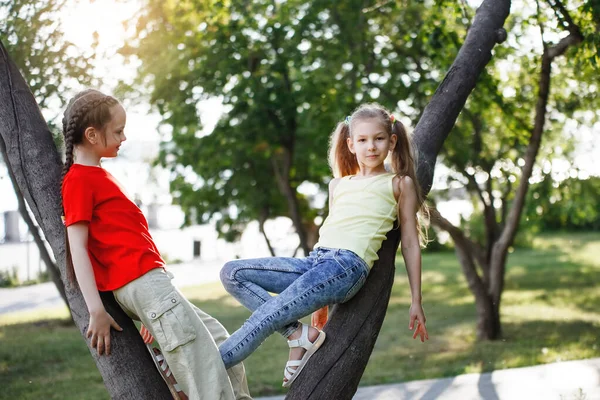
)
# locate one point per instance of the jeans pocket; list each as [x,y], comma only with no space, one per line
[362,278]
[171,323]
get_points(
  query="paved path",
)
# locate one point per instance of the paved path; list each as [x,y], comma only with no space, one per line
[569,380]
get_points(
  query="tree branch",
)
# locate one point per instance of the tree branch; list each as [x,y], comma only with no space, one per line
[564,17]
[512,222]
[451,95]
[459,237]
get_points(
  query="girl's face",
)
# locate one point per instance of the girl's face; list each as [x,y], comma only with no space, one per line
[370,143]
[107,143]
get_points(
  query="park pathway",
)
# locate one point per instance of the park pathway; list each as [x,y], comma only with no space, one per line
[568,380]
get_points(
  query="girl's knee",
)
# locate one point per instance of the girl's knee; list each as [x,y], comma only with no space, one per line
[227,274]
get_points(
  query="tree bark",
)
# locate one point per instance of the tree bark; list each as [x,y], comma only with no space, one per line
[44,254]
[353,327]
[128,372]
[440,114]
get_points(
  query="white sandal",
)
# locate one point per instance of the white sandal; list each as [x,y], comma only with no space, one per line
[292,373]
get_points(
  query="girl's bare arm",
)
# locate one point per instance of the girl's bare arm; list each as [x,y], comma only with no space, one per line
[411,251]
[100,320]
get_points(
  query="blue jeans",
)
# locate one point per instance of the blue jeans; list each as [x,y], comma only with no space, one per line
[304,285]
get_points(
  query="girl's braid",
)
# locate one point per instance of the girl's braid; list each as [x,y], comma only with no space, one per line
[70,128]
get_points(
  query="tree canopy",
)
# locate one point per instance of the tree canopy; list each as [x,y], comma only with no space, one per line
[50,64]
[286,73]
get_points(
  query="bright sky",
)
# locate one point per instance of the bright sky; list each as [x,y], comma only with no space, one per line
[82,18]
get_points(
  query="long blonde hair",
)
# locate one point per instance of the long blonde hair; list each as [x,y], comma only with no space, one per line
[344,163]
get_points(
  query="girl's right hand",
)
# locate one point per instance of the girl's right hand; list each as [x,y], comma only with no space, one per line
[417,317]
[99,330]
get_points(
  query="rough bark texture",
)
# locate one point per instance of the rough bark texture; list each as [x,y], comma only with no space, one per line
[33,229]
[450,97]
[353,327]
[128,372]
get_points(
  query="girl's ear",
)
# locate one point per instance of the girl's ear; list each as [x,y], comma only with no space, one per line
[91,135]
[393,142]
[350,144]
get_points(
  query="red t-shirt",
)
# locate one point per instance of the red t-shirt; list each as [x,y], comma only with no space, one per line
[119,243]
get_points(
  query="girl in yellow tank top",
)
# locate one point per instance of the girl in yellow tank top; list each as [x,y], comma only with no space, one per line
[364,201]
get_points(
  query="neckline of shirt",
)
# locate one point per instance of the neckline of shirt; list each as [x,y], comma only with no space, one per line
[353,177]
[87,166]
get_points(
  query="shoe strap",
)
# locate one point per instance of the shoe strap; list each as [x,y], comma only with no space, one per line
[302,341]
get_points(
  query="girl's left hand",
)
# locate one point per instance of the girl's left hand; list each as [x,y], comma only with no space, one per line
[417,315]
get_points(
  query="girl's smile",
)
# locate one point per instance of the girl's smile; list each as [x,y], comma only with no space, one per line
[371,144]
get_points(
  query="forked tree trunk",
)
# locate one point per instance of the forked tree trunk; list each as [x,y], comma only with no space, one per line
[354,326]
[31,154]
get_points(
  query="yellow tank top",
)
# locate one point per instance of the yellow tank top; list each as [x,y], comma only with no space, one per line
[362,213]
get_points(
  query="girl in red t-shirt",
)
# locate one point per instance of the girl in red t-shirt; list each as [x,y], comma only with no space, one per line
[109,248]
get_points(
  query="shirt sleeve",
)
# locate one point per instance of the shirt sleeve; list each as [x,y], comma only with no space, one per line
[78,200]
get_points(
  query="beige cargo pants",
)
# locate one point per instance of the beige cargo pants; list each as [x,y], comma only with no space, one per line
[189,338]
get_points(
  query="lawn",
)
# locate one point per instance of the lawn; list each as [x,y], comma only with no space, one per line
[549,313]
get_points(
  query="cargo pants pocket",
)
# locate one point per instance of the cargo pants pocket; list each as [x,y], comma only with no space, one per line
[171,323]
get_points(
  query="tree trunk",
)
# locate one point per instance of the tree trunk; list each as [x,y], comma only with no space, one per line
[440,114]
[469,255]
[500,248]
[128,372]
[488,290]
[353,327]
[261,228]
[282,177]
[44,254]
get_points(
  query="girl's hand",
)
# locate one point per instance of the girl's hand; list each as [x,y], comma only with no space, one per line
[417,315]
[99,330]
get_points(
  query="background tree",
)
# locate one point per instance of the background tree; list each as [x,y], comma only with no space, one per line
[286,72]
[51,66]
[496,146]
[129,373]
[568,205]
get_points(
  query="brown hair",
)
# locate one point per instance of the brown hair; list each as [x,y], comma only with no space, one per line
[344,163]
[89,108]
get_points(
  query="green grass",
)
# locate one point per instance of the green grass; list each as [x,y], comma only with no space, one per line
[549,313]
